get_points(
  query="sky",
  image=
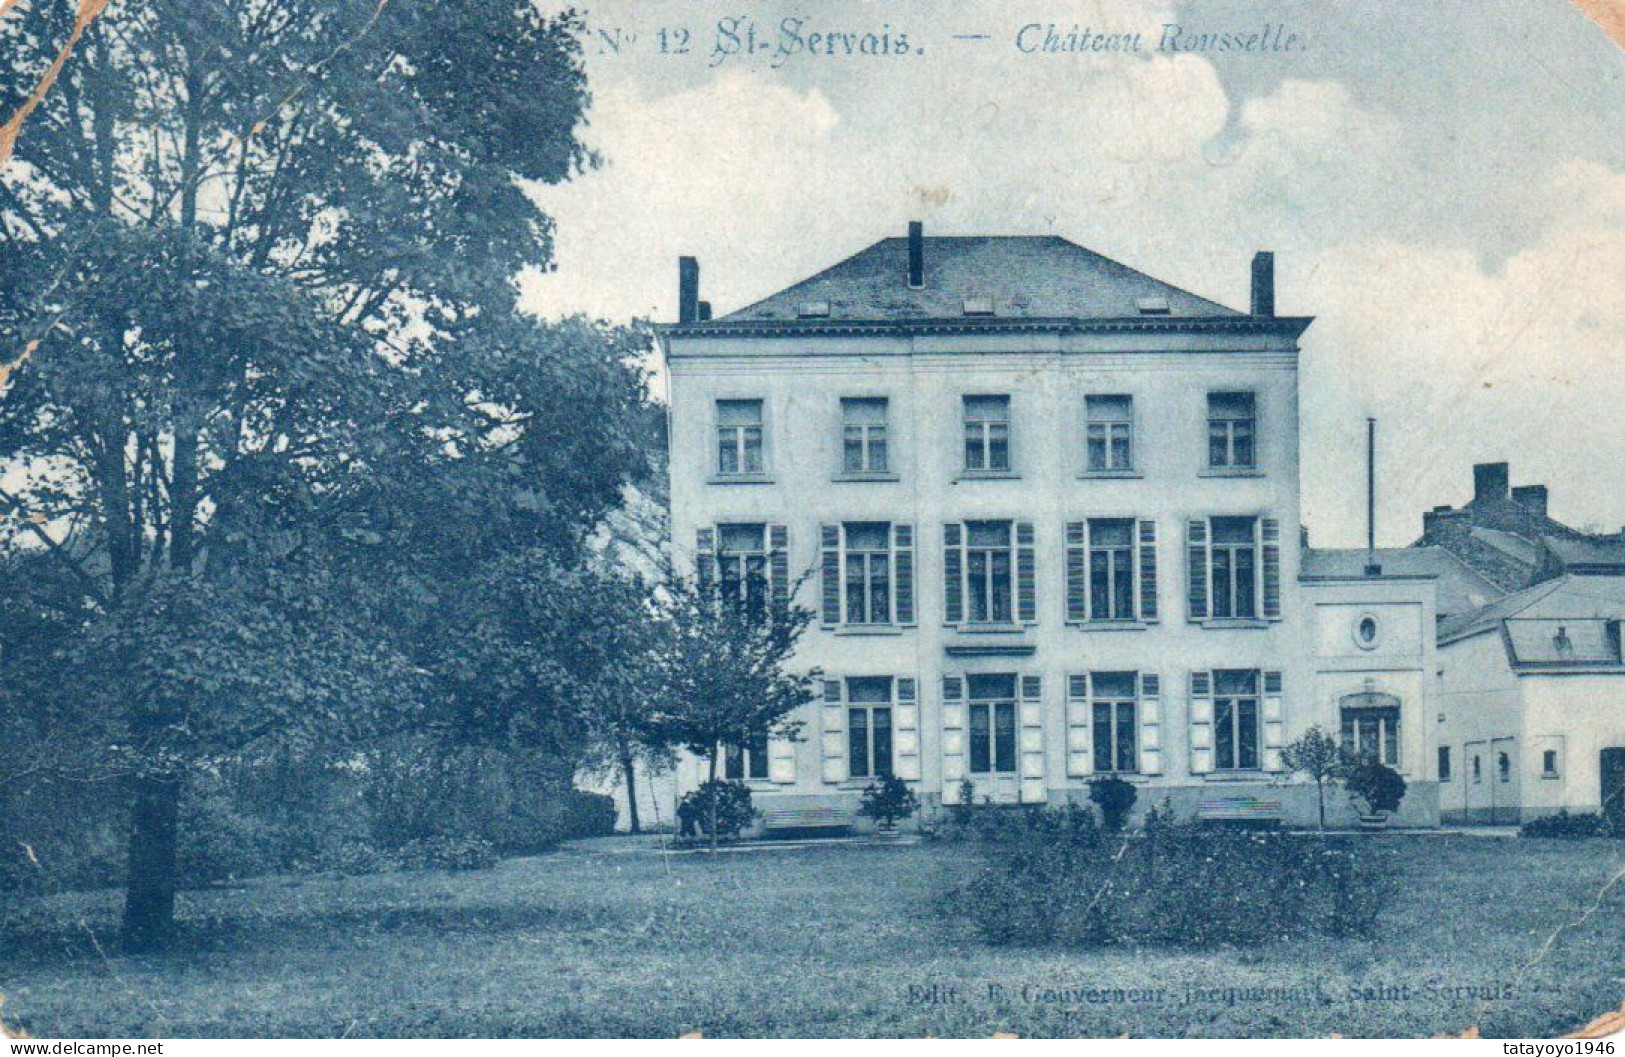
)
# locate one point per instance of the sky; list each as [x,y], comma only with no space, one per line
[1442,182]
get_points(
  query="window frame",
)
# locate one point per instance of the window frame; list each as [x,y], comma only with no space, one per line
[746,760]
[1254,549]
[1115,705]
[1235,702]
[1109,427]
[868,556]
[869,709]
[747,600]
[973,590]
[738,443]
[1113,554]
[1443,766]
[866,470]
[984,441]
[1387,739]
[1229,422]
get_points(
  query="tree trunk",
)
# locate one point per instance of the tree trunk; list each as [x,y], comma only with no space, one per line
[713,802]
[149,895]
[1320,794]
[630,770]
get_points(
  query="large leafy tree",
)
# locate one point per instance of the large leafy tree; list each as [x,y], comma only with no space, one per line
[258,255]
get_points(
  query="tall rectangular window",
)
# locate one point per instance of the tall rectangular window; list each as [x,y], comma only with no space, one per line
[1372,734]
[1233,566]
[1235,720]
[742,565]
[1109,432]
[992,724]
[1113,697]
[987,433]
[1111,569]
[739,437]
[1444,763]
[1231,431]
[869,727]
[989,557]
[868,572]
[863,435]
[749,761]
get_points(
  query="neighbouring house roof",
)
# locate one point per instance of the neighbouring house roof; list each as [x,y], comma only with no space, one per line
[1549,641]
[1025,277]
[1473,622]
[1571,621]
[1460,589]
[1501,539]
[1587,556]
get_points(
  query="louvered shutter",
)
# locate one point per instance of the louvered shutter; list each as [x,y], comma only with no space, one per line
[906,731]
[1269,532]
[781,761]
[953,737]
[778,566]
[1274,722]
[953,574]
[1150,707]
[1201,733]
[1148,571]
[902,543]
[829,542]
[1031,746]
[1196,561]
[705,559]
[1026,573]
[834,711]
[1080,760]
[1077,572]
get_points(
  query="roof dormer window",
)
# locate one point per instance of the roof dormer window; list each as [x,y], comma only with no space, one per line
[978,306]
[1152,306]
[813,310]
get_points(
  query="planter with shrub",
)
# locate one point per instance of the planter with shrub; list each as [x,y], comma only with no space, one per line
[1380,788]
[1115,799]
[716,811]
[888,802]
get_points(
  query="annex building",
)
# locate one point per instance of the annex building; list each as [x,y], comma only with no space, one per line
[1046,508]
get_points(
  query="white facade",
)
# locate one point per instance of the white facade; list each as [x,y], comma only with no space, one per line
[1032,703]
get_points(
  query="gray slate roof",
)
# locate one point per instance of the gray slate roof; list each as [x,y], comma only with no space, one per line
[1460,589]
[1031,277]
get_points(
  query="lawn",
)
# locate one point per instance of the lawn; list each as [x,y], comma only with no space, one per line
[1509,935]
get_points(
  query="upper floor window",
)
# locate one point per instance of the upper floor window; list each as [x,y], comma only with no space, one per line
[1109,433]
[1234,565]
[747,761]
[863,435]
[987,433]
[1235,720]
[868,572]
[742,565]
[739,437]
[1113,700]
[1111,569]
[1232,423]
[867,575]
[990,568]
[869,727]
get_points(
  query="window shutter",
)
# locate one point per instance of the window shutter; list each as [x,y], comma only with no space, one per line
[906,731]
[829,541]
[1274,722]
[1201,705]
[778,566]
[953,574]
[1150,724]
[1196,568]
[902,542]
[953,737]
[1080,760]
[1269,531]
[1031,748]
[1077,572]
[1026,574]
[781,761]
[834,731]
[1148,571]
[705,559]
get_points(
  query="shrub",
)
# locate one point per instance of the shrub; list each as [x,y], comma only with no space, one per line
[727,802]
[889,801]
[1379,786]
[1061,879]
[588,814]
[1115,799]
[448,853]
[1565,825]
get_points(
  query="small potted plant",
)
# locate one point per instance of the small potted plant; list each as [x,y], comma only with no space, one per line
[1115,799]
[1380,788]
[887,802]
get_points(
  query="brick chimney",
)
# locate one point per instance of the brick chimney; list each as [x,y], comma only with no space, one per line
[1264,283]
[688,290]
[916,255]
[1431,519]
[1531,497]
[1490,480]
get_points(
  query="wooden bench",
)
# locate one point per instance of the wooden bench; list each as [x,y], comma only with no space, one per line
[1239,809]
[797,818]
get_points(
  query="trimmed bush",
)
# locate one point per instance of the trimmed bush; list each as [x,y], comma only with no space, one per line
[732,808]
[1566,826]
[588,814]
[1058,878]
[888,801]
[1115,799]
[1378,785]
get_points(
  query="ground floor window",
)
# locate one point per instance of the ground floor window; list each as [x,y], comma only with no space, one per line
[1372,734]
[748,761]
[1113,698]
[992,724]
[1444,763]
[869,727]
[1235,720]
[1548,763]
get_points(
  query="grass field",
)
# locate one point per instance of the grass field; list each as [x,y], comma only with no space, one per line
[1518,937]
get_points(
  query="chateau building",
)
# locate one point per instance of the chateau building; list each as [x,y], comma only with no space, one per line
[1046,508]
